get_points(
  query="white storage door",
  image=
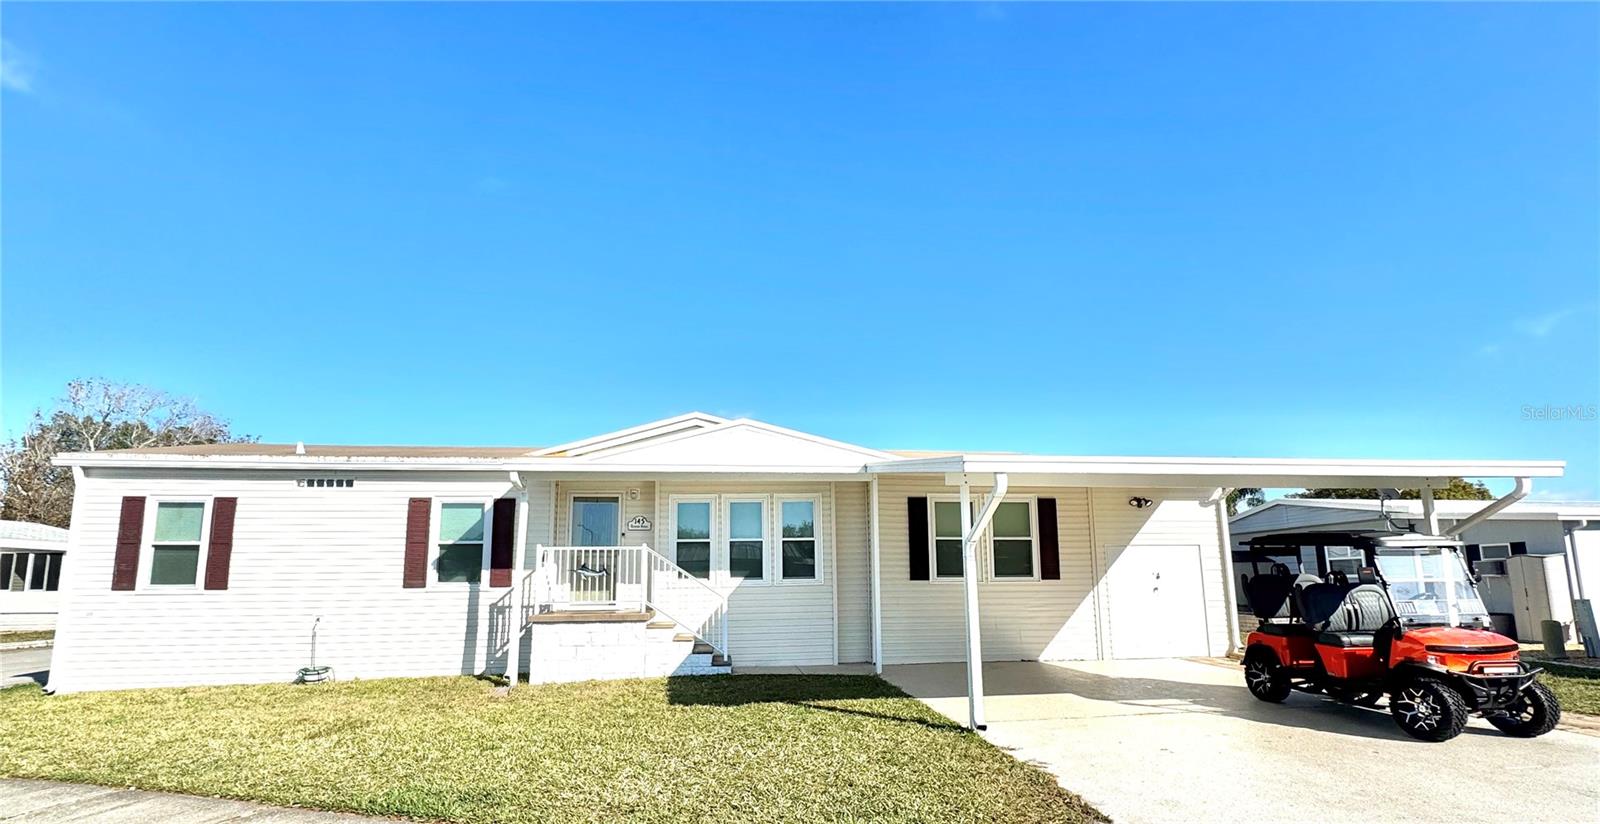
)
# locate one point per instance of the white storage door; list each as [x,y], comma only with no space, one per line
[1156,602]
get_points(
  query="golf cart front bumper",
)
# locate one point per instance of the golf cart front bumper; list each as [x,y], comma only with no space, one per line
[1496,692]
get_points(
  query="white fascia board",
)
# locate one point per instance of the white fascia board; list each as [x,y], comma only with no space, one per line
[564,467]
[97,460]
[643,431]
[30,543]
[1229,472]
[748,423]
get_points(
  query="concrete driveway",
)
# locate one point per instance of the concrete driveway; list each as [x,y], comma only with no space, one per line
[1182,740]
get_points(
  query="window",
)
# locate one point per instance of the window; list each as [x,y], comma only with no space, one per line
[37,571]
[1348,560]
[596,520]
[1493,559]
[747,539]
[175,542]
[692,536]
[1012,537]
[798,526]
[946,539]
[461,544]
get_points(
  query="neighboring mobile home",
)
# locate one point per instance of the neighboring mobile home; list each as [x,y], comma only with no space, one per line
[1534,557]
[669,547]
[31,556]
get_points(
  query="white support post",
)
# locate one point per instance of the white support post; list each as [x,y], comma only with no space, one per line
[1430,518]
[1229,594]
[877,585]
[969,582]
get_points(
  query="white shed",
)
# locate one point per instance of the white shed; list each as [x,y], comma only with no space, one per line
[30,573]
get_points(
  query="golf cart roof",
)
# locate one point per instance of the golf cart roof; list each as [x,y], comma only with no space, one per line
[1376,541]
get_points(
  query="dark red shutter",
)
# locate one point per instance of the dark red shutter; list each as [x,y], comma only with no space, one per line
[416,569]
[502,541]
[130,533]
[220,554]
[917,532]
[1049,541]
[1519,548]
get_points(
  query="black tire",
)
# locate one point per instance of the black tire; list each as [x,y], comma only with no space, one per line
[1429,710]
[1265,677]
[1535,713]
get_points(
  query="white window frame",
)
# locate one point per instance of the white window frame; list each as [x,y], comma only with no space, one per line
[988,539]
[672,529]
[776,528]
[433,542]
[722,555]
[147,552]
[933,536]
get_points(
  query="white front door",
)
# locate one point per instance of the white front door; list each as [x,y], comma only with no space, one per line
[1157,606]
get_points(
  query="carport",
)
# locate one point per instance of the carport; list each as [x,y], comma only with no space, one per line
[1213,478]
[1183,740]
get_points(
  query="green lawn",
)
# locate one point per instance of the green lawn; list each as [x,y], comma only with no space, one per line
[27,635]
[720,748]
[1577,689]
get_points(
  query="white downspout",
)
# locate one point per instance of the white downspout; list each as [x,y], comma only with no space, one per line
[1219,501]
[877,586]
[969,580]
[1524,486]
[1574,574]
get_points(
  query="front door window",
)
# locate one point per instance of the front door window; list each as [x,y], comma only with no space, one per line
[595,520]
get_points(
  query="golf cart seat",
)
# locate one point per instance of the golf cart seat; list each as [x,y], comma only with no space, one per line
[1269,594]
[1363,610]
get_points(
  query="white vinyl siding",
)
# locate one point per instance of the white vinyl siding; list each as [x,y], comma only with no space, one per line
[770,625]
[1032,619]
[302,557]
[853,565]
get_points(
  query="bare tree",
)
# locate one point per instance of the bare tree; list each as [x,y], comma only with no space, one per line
[94,415]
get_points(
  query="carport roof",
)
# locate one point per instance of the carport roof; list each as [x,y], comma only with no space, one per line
[1264,472]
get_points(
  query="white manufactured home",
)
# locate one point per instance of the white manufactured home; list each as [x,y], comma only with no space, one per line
[31,558]
[690,545]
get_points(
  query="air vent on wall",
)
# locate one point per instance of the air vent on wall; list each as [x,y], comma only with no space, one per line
[320,483]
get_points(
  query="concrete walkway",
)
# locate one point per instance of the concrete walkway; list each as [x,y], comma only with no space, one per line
[1184,741]
[51,801]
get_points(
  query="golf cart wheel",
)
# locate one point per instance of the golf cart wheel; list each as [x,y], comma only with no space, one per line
[1265,677]
[1429,710]
[1535,713]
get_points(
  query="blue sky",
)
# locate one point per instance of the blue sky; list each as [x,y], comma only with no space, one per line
[1350,229]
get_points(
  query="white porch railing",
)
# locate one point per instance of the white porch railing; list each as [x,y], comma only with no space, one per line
[627,578]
